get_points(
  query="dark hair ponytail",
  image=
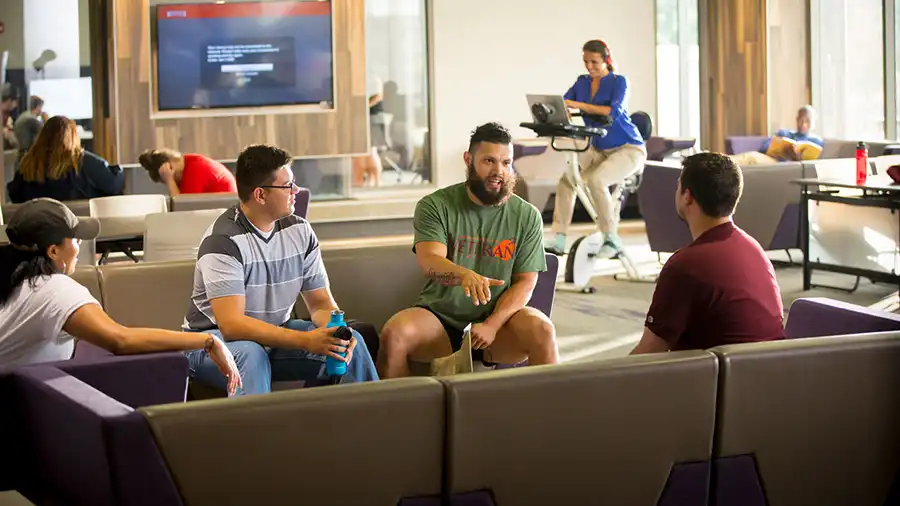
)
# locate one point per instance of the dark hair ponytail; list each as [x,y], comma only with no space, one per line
[600,47]
[17,267]
[153,159]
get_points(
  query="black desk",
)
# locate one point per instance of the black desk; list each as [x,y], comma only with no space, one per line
[878,192]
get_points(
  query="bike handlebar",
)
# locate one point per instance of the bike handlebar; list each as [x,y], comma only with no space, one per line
[574,132]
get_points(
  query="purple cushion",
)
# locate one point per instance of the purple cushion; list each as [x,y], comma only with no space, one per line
[84,447]
[688,483]
[545,289]
[476,498]
[737,482]
[301,203]
[816,317]
[421,501]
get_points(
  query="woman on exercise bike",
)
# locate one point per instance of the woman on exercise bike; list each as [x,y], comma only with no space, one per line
[610,159]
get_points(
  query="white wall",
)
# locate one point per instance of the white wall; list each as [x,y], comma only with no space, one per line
[12,39]
[489,53]
[57,33]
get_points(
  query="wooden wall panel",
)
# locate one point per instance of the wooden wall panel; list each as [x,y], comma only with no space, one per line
[103,128]
[341,132]
[733,70]
[789,56]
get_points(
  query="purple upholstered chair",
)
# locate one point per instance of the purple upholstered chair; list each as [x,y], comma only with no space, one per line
[85,447]
[744,143]
[545,289]
[135,381]
[656,195]
[658,148]
[819,316]
[301,204]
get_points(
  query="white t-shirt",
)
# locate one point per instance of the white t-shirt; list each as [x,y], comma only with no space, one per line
[31,321]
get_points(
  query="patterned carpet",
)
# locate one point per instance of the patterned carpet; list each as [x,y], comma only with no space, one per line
[609,323]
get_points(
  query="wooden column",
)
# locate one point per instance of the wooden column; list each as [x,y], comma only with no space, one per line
[733,81]
[100,12]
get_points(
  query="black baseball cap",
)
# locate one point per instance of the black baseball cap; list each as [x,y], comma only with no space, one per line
[41,222]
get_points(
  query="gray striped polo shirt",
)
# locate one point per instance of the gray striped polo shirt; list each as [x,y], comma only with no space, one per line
[270,272]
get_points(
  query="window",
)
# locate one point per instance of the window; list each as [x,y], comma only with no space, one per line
[397,61]
[848,68]
[677,69]
[47,56]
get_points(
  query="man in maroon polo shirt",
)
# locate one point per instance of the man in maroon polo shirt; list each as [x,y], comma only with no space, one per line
[720,289]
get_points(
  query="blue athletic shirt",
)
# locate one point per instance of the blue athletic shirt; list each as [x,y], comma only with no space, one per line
[612,92]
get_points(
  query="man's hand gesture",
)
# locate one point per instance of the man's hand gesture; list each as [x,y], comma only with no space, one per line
[478,287]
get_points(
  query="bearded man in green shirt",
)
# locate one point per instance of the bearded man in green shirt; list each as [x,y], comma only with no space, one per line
[481,247]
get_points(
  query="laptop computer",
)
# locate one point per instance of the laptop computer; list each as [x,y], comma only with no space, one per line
[549,109]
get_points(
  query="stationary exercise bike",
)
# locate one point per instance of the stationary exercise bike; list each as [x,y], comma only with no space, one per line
[583,257]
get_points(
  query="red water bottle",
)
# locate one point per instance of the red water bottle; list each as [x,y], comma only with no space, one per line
[862,163]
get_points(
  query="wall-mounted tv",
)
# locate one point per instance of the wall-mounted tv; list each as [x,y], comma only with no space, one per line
[243,54]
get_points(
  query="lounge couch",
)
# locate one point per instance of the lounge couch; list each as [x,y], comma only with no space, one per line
[652,430]
[833,148]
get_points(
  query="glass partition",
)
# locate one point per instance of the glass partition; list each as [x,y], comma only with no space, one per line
[398,88]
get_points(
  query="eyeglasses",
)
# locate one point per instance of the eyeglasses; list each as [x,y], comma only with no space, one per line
[289,186]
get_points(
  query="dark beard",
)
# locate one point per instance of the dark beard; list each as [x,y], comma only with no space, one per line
[478,187]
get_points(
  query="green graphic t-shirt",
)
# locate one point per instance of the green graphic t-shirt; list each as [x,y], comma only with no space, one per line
[496,242]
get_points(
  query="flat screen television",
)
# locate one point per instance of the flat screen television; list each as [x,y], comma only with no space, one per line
[243,54]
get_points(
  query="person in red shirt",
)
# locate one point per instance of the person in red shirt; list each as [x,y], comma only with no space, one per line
[188,173]
[720,289]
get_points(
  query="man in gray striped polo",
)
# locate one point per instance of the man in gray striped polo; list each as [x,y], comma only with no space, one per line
[252,264]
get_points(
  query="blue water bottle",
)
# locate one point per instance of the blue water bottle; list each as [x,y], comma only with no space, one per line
[334,367]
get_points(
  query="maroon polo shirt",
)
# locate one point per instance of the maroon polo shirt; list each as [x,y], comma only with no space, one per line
[721,289]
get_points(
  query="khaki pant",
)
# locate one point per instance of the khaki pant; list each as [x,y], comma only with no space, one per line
[599,170]
[753,158]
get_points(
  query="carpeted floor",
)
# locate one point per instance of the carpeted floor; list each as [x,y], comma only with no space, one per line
[609,323]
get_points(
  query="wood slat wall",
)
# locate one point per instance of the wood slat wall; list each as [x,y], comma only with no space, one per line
[789,56]
[733,70]
[131,130]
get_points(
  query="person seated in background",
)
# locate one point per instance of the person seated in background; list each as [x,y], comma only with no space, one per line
[481,247]
[188,173]
[252,264]
[43,310]
[720,289]
[788,145]
[28,125]
[56,166]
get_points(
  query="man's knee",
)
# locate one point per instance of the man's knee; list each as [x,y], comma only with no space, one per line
[536,329]
[252,362]
[397,334]
[250,357]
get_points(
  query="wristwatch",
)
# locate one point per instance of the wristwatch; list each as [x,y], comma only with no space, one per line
[208,345]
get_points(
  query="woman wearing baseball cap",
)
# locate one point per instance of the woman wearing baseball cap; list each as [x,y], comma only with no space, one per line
[42,309]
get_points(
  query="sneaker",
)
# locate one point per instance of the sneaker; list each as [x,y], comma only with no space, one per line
[611,248]
[557,245]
